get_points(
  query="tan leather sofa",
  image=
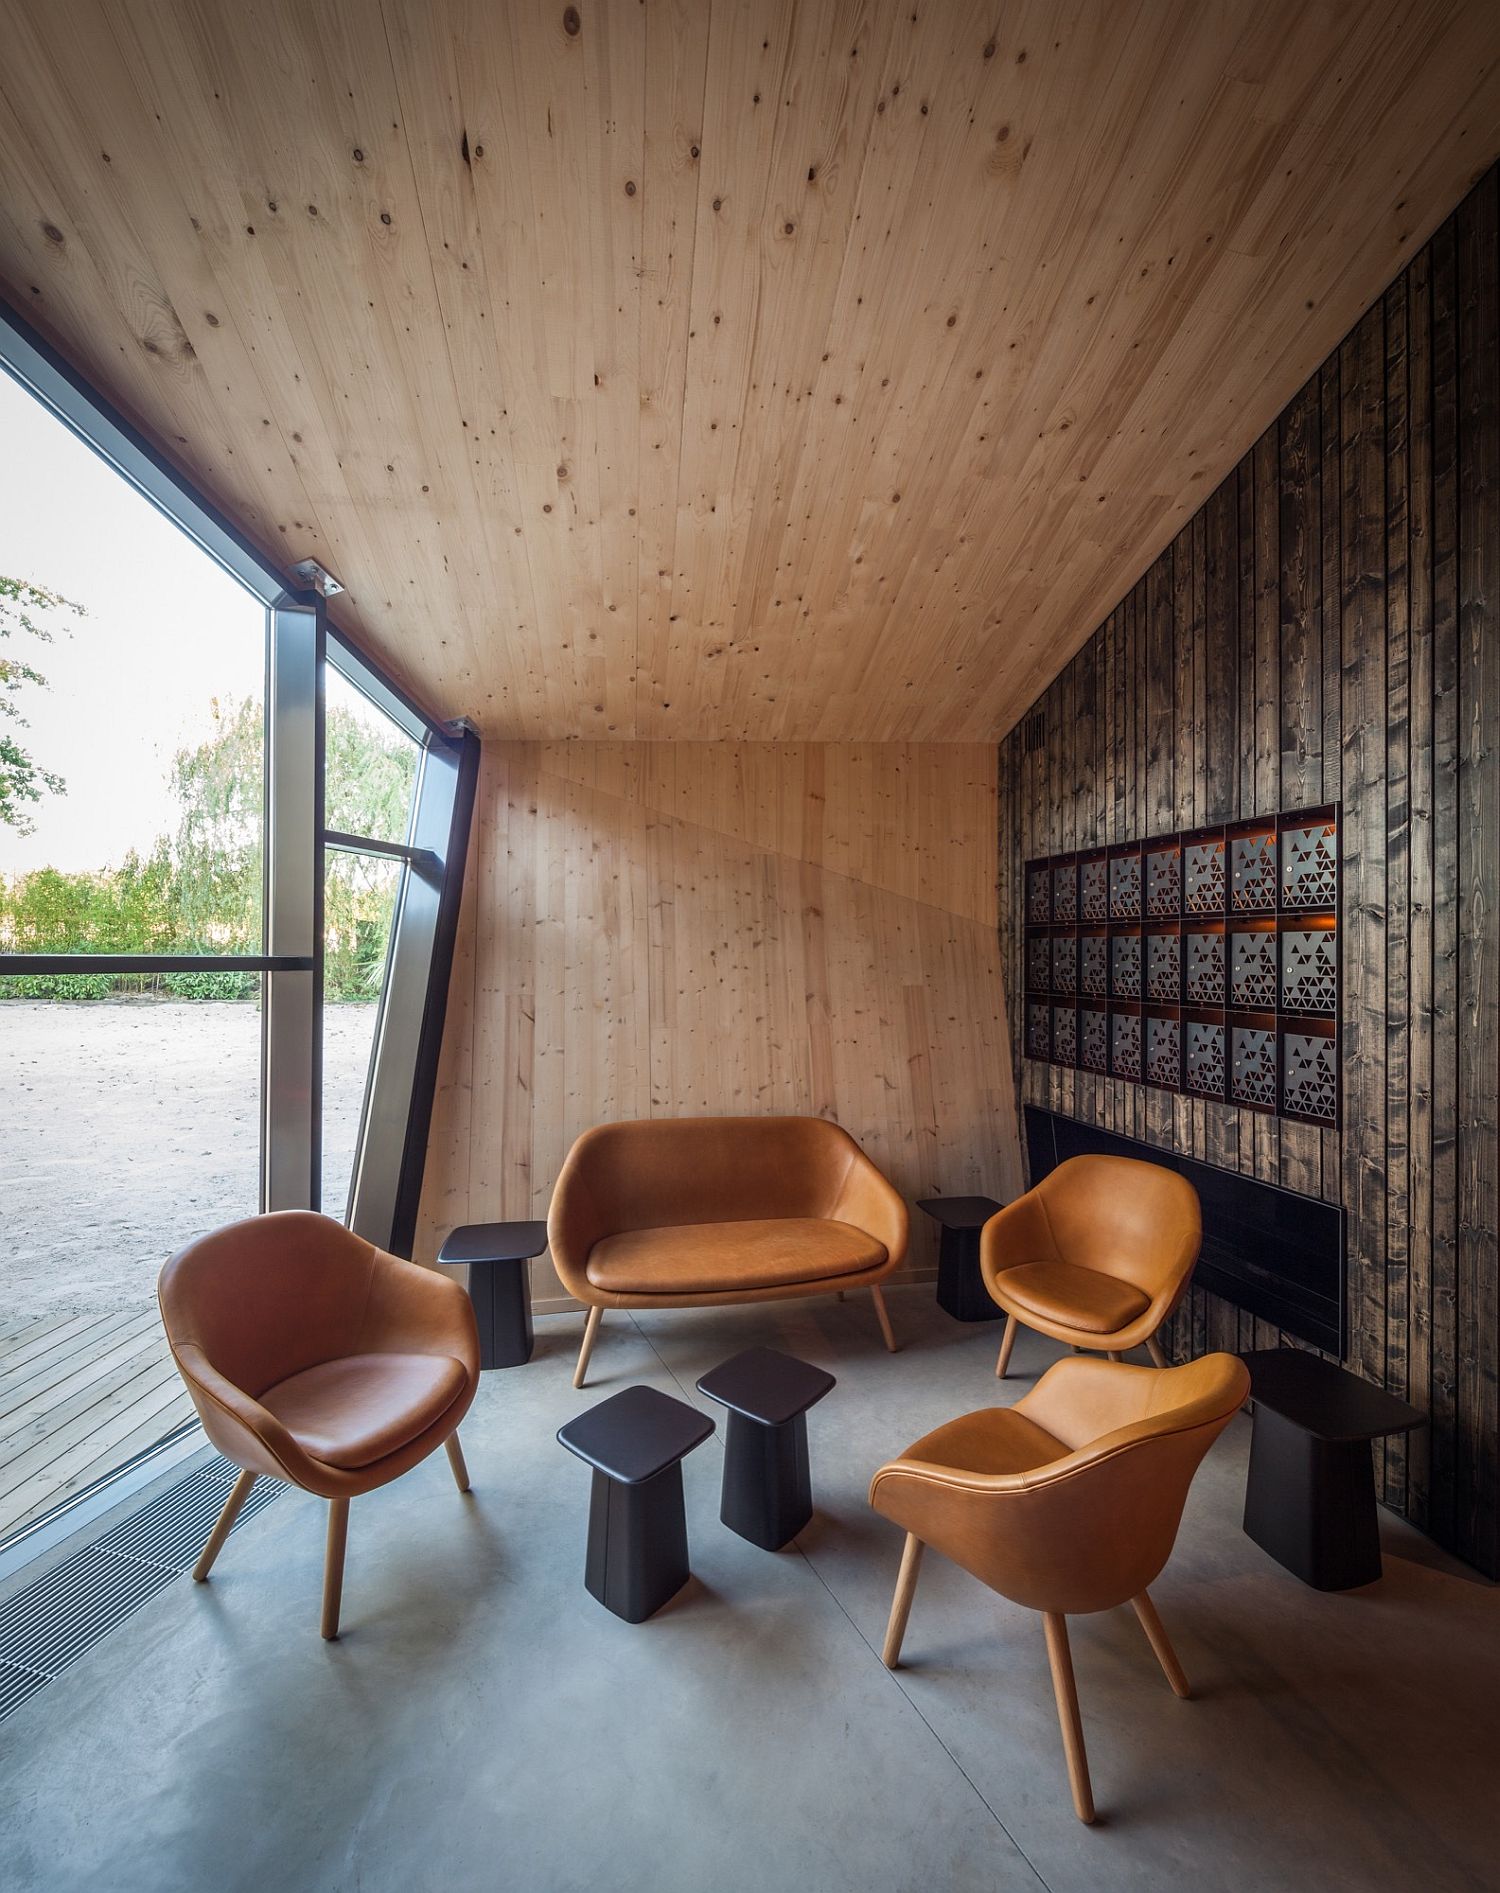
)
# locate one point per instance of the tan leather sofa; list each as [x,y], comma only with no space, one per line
[1067,1502]
[688,1212]
[1097,1255]
[314,1357]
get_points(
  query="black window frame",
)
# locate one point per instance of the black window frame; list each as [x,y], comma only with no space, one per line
[401,1081]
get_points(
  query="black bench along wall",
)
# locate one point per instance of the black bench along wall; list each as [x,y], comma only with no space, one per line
[1326,629]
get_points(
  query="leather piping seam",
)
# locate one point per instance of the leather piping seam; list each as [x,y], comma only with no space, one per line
[1038,1478]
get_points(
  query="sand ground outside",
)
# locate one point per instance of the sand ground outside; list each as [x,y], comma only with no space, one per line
[129,1126]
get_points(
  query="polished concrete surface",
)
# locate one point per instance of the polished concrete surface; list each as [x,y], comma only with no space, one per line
[484,1723]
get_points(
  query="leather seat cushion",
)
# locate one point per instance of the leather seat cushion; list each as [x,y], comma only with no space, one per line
[717,1258]
[1072,1297]
[995,1440]
[350,1412]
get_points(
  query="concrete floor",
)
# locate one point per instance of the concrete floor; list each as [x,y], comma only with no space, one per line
[484,1723]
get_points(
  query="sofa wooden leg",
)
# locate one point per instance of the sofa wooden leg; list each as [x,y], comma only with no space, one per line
[225,1525]
[333,1566]
[1154,1349]
[883,1318]
[1165,1654]
[1069,1720]
[590,1334]
[1007,1342]
[906,1585]
[456,1461]
[1114,1355]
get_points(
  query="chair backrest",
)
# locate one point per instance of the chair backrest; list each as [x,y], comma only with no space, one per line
[268,1297]
[1093,1528]
[1138,1222]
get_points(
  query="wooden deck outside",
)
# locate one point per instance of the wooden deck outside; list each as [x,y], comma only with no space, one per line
[79,1394]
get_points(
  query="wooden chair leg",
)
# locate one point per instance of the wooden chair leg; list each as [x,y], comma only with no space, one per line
[1066,1691]
[883,1318]
[1154,1349]
[590,1334]
[333,1566]
[1115,1356]
[906,1585]
[1007,1342]
[224,1527]
[1165,1654]
[456,1461]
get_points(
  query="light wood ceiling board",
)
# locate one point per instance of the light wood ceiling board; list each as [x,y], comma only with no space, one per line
[102,281]
[676,81]
[1125,210]
[823,120]
[427,72]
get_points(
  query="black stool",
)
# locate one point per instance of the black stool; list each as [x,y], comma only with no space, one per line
[767,1495]
[501,1294]
[636,1441]
[1310,1496]
[960,1286]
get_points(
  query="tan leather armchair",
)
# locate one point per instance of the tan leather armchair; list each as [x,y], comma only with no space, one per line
[1098,1255]
[690,1212]
[314,1357]
[1067,1502]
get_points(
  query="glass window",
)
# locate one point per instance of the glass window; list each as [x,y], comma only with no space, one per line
[144,1101]
[131,1125]
[369,768]
[132,685]
[359,906]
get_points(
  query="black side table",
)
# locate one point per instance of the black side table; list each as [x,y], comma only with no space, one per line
[636,1441]
[499,1285]
[960,1287]
[1310,1496]
[767,1494]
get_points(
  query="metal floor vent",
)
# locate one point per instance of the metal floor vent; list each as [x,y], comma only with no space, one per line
[49,1623]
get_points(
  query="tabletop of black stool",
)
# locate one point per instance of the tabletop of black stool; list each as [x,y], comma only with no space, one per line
[494,1242]
[766,1385]
[960,1212]
[636,1434]
[1322,1399]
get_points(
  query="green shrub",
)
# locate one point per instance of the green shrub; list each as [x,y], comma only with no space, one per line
[56,986]
[209,985]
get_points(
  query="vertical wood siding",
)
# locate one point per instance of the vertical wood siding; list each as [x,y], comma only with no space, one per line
[1328,627]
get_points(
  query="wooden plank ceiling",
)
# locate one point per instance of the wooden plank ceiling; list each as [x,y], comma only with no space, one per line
[783,370]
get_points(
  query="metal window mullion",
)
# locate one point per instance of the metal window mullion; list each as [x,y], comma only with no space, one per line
[392,1145]
[292,1066]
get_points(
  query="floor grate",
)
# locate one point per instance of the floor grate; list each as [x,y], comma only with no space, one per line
[50,1623]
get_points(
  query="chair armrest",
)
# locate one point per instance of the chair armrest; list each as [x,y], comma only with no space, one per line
[870,1201]
[237,1423]
[415,1310]
[1018,1233]
[576,1220]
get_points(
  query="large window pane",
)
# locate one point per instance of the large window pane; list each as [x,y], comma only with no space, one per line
[370,765]
[359,905]
[131,1125]
[132,679]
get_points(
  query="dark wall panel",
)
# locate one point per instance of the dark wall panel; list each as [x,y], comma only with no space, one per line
[1327,628]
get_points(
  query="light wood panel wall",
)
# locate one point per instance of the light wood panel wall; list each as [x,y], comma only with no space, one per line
[774,369]
[655,929]
[1327,628]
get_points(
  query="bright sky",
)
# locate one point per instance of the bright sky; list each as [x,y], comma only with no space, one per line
[167,631]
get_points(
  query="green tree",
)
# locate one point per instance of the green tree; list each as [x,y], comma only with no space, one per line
[199,889]
[220,790]
[22,778]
